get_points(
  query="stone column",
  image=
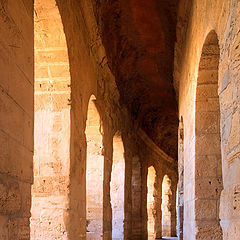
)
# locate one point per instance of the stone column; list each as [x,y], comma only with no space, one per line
[180,207]
[180,222]
[144,230]
[173,208]
[158,203]
[107,209]
[128,191]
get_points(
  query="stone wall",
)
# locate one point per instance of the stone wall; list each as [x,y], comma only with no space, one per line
[207,143]
[135,212]
[203,17]
[16,118]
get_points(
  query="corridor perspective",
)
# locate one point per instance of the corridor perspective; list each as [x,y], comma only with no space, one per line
[120,120]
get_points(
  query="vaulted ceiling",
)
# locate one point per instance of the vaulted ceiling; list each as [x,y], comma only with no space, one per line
[139,38]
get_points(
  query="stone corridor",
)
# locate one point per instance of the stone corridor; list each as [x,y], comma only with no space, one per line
[120,120]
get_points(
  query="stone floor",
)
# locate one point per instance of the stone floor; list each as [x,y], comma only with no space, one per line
[169,238]
[166,238]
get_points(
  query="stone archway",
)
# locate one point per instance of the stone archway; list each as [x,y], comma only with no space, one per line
[117,188]
[50,198]
[151,212]
[208,167]
[94,173]
[166,207]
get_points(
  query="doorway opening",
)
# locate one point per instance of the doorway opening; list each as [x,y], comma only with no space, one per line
[117,186]
[151,213]
[94,173]
[166,207]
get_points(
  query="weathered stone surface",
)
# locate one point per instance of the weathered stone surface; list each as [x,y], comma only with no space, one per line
[195,69]
[10,200]
[126,53]
[16,117]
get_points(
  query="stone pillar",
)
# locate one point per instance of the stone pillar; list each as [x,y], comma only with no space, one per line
[144,230]
[130,187]
[137,197]
[180,215]
[158,203]
[180,207]
[107,208]
[173,208]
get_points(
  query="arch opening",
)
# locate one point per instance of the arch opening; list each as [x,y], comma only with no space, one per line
[166,207]
[94,173]
[151,193]
[52,91]
[208,178]
[117,186]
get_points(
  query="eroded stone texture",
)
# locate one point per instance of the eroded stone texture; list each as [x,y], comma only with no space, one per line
[122,52]
[16,118]
[229,95]
[180,193]
[208,151]
[223,17]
